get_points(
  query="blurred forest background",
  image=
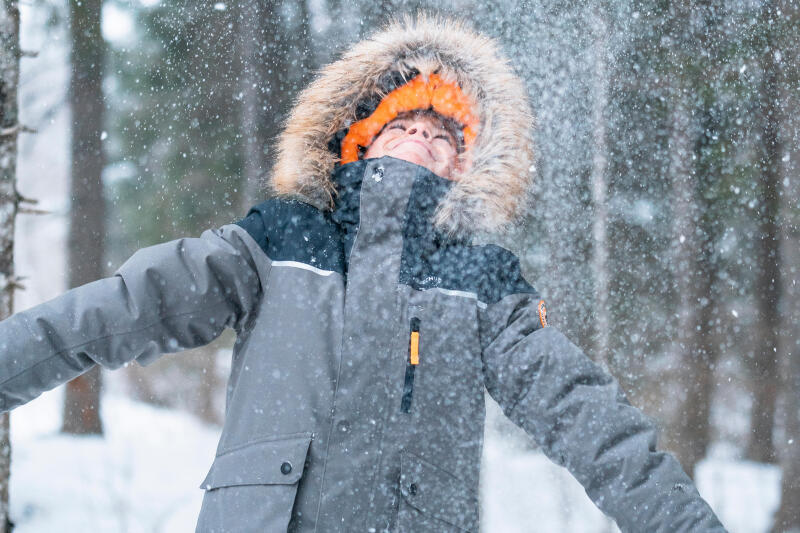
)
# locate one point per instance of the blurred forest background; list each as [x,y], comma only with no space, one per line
[664,232]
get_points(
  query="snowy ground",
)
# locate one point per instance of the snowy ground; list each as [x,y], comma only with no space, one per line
[143,476]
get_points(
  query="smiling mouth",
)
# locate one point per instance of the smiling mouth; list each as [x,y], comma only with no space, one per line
[420,143]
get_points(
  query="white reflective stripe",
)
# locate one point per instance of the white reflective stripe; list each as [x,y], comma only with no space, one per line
[297,264]
[452,292]
[463,294]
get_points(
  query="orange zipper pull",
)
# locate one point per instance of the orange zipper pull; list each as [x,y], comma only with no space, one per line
[413,361]
[414,356]
[413,347]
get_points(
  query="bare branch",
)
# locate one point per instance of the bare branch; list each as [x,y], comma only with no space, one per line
[12,282]
[31,211]
[16,128]
[25,200]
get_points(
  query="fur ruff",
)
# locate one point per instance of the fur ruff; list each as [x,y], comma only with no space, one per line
[494,186]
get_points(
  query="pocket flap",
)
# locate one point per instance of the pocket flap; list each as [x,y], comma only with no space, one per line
[437,492]
[278,460]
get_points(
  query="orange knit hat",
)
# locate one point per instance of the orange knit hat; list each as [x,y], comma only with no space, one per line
[444,97]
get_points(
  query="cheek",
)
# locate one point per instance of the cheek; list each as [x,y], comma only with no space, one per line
[378,146]
[447,153]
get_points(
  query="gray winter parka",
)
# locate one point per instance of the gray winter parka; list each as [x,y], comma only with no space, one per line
[369,325]
[329,426]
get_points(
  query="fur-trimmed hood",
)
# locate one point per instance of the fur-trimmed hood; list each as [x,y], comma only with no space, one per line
[492,188]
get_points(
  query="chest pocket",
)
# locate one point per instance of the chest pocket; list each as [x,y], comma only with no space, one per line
[442,375]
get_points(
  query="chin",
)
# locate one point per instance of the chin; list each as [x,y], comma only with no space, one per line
[411,157]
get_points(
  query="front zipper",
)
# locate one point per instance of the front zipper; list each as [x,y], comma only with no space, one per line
[411,365]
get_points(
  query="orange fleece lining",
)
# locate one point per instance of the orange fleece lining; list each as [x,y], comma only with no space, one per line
[444,97]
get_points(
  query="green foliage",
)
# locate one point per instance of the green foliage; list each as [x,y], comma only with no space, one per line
[175,121]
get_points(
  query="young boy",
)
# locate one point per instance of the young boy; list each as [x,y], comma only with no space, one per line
[368,321]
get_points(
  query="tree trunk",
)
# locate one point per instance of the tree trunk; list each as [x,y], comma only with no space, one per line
[599,191]
[275,63]
[684,266]
[9,200]
[695,236]
[700,355]
[252,68]
[253,160]
[788,516]
[695,272]
[377,14]
[760,446]
[81,413]
[267,50]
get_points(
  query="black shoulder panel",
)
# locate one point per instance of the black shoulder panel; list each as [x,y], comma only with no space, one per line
[502,275]
[430,260]
[489,271]
[290,230]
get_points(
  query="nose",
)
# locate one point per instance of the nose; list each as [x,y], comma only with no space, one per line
[420,128]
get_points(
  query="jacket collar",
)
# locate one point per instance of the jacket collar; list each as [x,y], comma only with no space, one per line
[415,195]
[426,191]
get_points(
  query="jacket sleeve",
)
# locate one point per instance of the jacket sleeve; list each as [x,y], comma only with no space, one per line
[579,416]
[165,298]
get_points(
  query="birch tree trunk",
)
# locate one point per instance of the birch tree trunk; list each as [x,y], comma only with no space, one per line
[253,70]
[600,189]
[9,127]
[273,68]
[81,414]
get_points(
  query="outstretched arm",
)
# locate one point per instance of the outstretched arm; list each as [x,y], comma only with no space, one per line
[166,298]
[579,416]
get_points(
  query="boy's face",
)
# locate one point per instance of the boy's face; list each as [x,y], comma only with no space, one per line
[419,138]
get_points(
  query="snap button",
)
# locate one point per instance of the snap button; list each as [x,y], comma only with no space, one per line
[286,467]
[377,174]
[344,426]
[412,489]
